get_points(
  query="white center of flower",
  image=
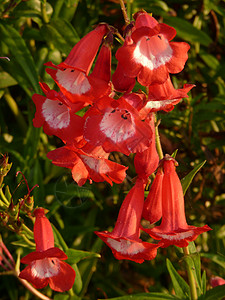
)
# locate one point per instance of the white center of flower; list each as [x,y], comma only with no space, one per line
[177,236]
[118,125]
[73,80]
[152,52]
[45,268]
[126,247]
[97,165]
[56,114]
[159,104]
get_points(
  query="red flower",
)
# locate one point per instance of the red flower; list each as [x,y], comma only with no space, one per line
[147,161]
[164,96]
[174,229]
[115,125]
[71,75]
[46,265]
[151,56]
[56,114]
[88,163]
[124,239]
[152,210]
[216,280]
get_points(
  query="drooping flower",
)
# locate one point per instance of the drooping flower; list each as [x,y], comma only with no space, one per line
[72,75]
[147,161]
[124,240]
[89,162]
[164,96]
[174,229]
[116,126]
[152,210]
[46,265]
[151,56]
[57,115]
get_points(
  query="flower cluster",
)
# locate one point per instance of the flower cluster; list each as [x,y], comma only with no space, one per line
[117,119]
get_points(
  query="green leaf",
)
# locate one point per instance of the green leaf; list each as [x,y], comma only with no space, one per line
[59,239]
[181,288]
[204,282]
[20,52]
[187,31]
[74,256]
[153,296]
[216,293]
[61,34]
[6,80]
[186,181]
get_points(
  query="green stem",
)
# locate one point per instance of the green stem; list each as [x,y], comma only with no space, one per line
[191,278]
[124,11]
[27,240]
[157,140]
[43,12]
[15,109]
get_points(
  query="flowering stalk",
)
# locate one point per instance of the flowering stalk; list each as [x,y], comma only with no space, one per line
[124,11]
[191,278]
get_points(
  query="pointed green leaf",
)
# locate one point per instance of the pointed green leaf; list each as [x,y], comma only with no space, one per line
[6,80]
[74,256]
[59,239]
[204,282]
[187,31]
[186,181]
[181,288]
[216,293]
[18,50]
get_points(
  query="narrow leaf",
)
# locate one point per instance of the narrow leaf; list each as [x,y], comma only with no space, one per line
[181,288]
[74,256]
[18,49]
[216,293]
[187,31]
[186,181]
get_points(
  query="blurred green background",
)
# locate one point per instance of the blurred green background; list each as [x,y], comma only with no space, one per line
[33,32]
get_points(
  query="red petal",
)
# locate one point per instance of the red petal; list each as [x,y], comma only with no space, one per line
[38,283]
[64,280]
[43,234]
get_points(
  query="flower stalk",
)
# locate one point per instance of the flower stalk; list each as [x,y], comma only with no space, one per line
[191,278]
[124,11]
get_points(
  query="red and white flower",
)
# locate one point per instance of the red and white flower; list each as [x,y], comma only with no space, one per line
[56,114]
[124,240]
[151,56]
[90,162]
[116,126]
[174,229]
[72,75]
[46,265]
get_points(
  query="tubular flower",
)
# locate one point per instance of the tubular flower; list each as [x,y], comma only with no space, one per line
[174,229]
[124,239]
[46,265]
[164,96]
[88,163]
[72,75]
[116,126]
[152,210]
[151,56]
[56,114]
[147,161]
